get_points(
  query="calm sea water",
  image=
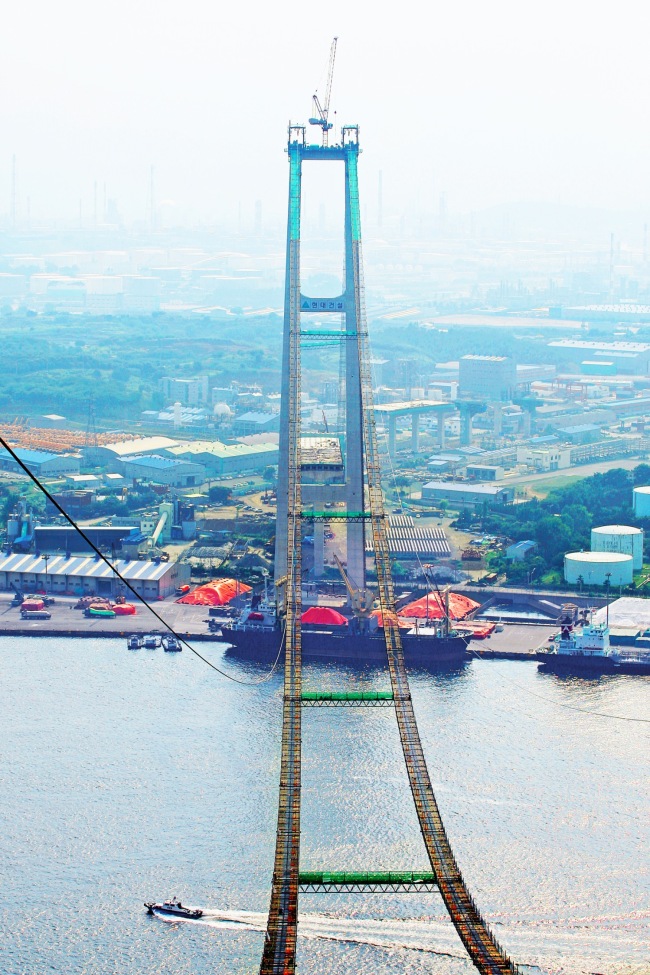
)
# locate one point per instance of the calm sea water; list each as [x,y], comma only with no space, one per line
[130,775]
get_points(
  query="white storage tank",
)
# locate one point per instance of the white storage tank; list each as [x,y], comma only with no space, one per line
[641,496]
[598,568]
[619,538]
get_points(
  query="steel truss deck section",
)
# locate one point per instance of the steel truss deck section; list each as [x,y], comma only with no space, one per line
[352,516]
[375,882]
[342,699]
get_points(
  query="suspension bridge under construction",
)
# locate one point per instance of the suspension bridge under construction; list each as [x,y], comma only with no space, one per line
[366,515]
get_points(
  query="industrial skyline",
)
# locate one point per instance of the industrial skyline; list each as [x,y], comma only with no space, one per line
[502,109]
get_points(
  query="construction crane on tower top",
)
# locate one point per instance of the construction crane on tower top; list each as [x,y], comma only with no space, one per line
[321,115]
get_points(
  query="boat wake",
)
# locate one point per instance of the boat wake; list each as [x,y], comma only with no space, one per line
[430,935]
[586,941]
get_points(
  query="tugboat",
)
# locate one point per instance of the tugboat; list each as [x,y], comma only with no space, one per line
[134,642]
[150,641]
[581,646]
[174,908]
[171,644]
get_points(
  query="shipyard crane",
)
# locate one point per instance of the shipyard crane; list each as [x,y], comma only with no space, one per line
[362,600]
[321,116]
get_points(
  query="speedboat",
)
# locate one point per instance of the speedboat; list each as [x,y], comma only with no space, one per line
[171,644]
[174,908]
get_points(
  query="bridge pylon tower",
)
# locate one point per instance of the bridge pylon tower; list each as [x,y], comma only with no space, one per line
[365,510]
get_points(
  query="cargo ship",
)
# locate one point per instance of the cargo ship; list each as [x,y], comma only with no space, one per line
[257,634]
[581,646]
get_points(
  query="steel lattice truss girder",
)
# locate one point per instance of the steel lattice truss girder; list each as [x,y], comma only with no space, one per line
[390,888]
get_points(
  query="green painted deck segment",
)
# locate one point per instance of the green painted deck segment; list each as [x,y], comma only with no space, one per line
[347,696]
[369,877]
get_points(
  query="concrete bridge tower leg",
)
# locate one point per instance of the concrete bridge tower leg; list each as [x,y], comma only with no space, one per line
[392,435]
[415,433]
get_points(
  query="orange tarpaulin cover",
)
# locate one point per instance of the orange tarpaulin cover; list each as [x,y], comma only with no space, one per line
[459,607]
[324,615]
[215,593]
[403,625]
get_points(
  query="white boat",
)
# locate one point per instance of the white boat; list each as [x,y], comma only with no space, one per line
[173,908]
[134,642]
[171,644]
[150,642]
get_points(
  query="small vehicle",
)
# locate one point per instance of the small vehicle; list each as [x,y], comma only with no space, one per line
[174,908]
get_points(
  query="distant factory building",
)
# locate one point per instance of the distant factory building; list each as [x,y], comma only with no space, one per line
[110,455]
[83,575]
[256,422]
[487,377]
[627,357]
[140,293]
[545,458]
[40,463]
[225,459]
[64,538]
[188,392]
[580,433]
[466,494]
[485,472]
[179,416]
[627,312]
[594,367]
[164,470]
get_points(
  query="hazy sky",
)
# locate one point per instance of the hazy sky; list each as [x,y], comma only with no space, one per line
[490,102]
